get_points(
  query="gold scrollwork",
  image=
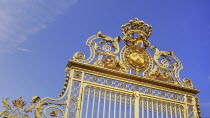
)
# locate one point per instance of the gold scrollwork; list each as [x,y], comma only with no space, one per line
[54,112]
[134,56]
[167,67]
[14,112]
[142,30]
[188,82]
[36,105]
[198,107]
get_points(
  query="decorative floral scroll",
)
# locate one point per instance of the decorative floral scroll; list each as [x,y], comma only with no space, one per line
[134,56]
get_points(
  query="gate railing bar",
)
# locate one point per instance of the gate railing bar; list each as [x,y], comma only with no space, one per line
[175,111]
[99,101]
[87,103]
[161,107]
[81,108]
[125,108]
[171,111]
[114,105]
[130,106]
[142,107]
[120,107]
[180,113]
[166,110]
[109,104]
[157,112]
[128,92]
[104,104]
[147,108]
[69,94]
[93,104]
[136,105]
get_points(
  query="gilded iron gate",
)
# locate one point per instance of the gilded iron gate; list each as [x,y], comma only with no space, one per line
[116,97]
[114,83]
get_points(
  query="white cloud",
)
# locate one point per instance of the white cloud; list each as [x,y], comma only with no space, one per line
[21,18]
[24,50]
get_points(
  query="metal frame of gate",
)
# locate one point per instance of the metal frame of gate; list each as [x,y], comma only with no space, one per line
[125,97]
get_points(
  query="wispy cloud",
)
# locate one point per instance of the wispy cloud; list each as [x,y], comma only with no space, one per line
[21,18]
[24,50]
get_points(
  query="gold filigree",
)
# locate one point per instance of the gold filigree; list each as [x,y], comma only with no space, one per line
[77,75]
[4,113]
[138,28]
[162,70]
[175,96]
[6,104]
[123,85]
[95,78]
[188,82]
[149,91]
[162,94]
[19,102]
[166,68]
[110,63]
[189,99]
[137,58]
[30,108]
[198,107]
[54,113]
[15,111]
[136,94]
[65,82]
[68,69]
[134,56]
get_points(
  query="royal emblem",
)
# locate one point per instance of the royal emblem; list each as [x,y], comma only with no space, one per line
[136,57]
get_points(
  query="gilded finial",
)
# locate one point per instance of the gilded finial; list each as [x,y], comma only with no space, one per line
[19,102]
[136,32]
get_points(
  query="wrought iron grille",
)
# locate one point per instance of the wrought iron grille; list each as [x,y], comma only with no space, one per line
[103,97]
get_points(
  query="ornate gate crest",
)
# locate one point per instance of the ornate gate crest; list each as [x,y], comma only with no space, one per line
[137,58]
[131,82]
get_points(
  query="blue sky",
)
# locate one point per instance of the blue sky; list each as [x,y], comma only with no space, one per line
[38,37]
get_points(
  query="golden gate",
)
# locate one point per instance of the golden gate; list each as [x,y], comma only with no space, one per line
[137,81]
